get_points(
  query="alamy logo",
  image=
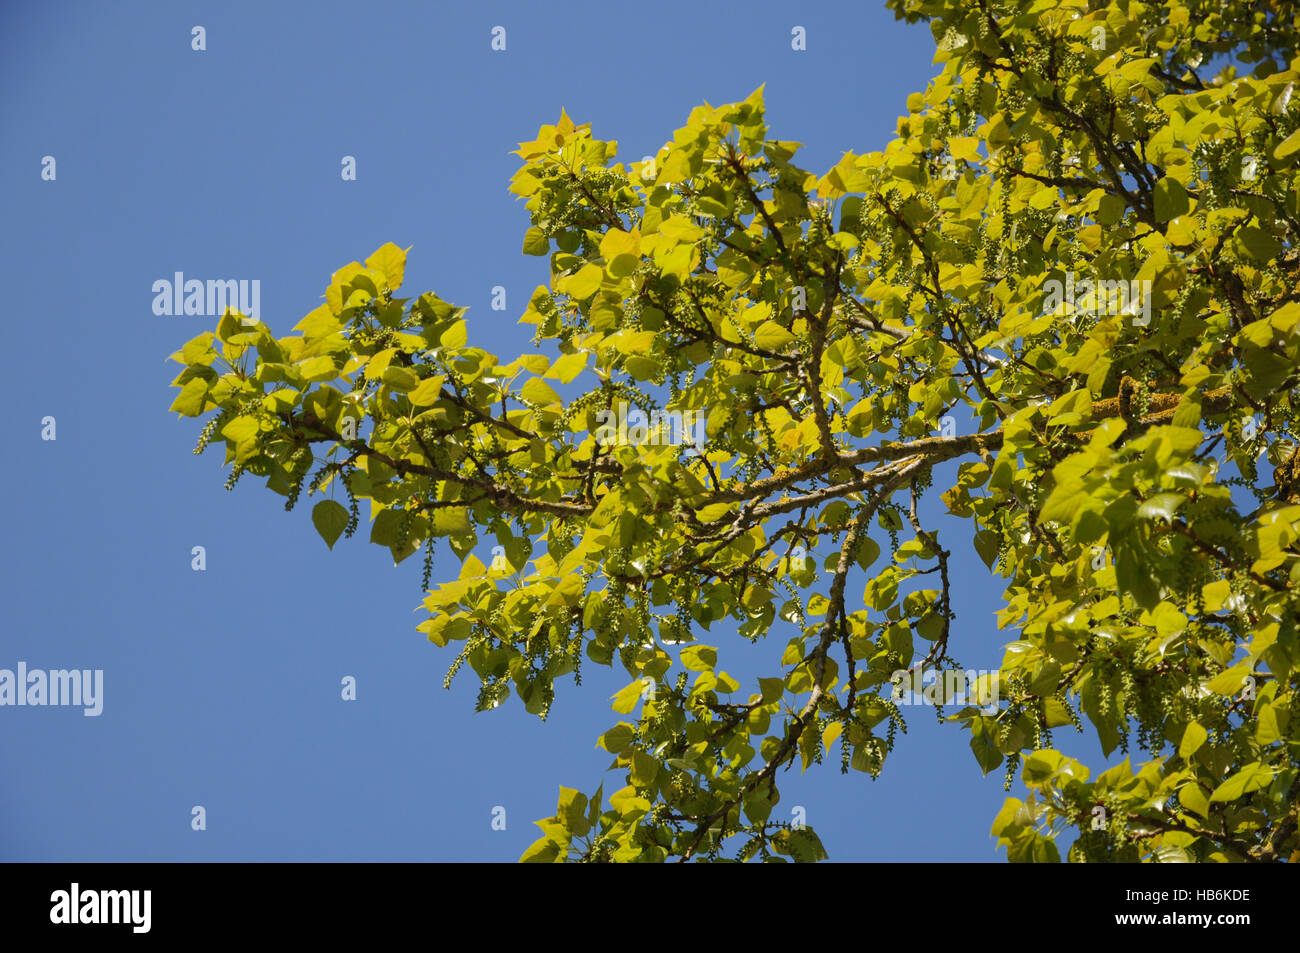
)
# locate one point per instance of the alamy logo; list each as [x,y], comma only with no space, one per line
[83,688]
[1103,296]
[102,906]
[210,299]
[925,687]
[661,428]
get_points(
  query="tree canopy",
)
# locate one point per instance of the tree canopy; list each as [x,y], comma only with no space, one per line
[1060,308]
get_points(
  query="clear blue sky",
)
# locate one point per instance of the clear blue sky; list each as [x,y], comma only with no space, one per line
[222,688]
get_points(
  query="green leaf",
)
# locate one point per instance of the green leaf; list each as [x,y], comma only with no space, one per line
[618,738]
[1287,146]
[1193,737]
[1033,848]
[389,261]
[1229,682]
[1269,727]
[568,366]
[643,368]
[450,521]
[1162,506]
[318,369]
[455,336]
[535,242]
[1193,798]
[330,519]
[1064,501]
[770,336]
[644,769]
[282,400]
[542,851]
[867,552]
[387,528]
[1253,777]
[192,398]
[983,743]
[628,803]
[1285,318]
[625,699]
[1168,620]
[536,391]
[1262,246]
[800,843]
[1133,574]
[400,379]
[198,350]
[585,283]
[699,658]
[987,545]
[1005,823]
[230,326]
[1170,199]
[1216,594]
[758,803]
[571,811]
[428,392]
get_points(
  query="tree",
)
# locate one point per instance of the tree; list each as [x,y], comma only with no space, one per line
[1077,241]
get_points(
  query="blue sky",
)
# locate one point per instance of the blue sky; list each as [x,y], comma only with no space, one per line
[222,687]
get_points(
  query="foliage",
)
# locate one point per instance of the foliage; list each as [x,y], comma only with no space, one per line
[826,326]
